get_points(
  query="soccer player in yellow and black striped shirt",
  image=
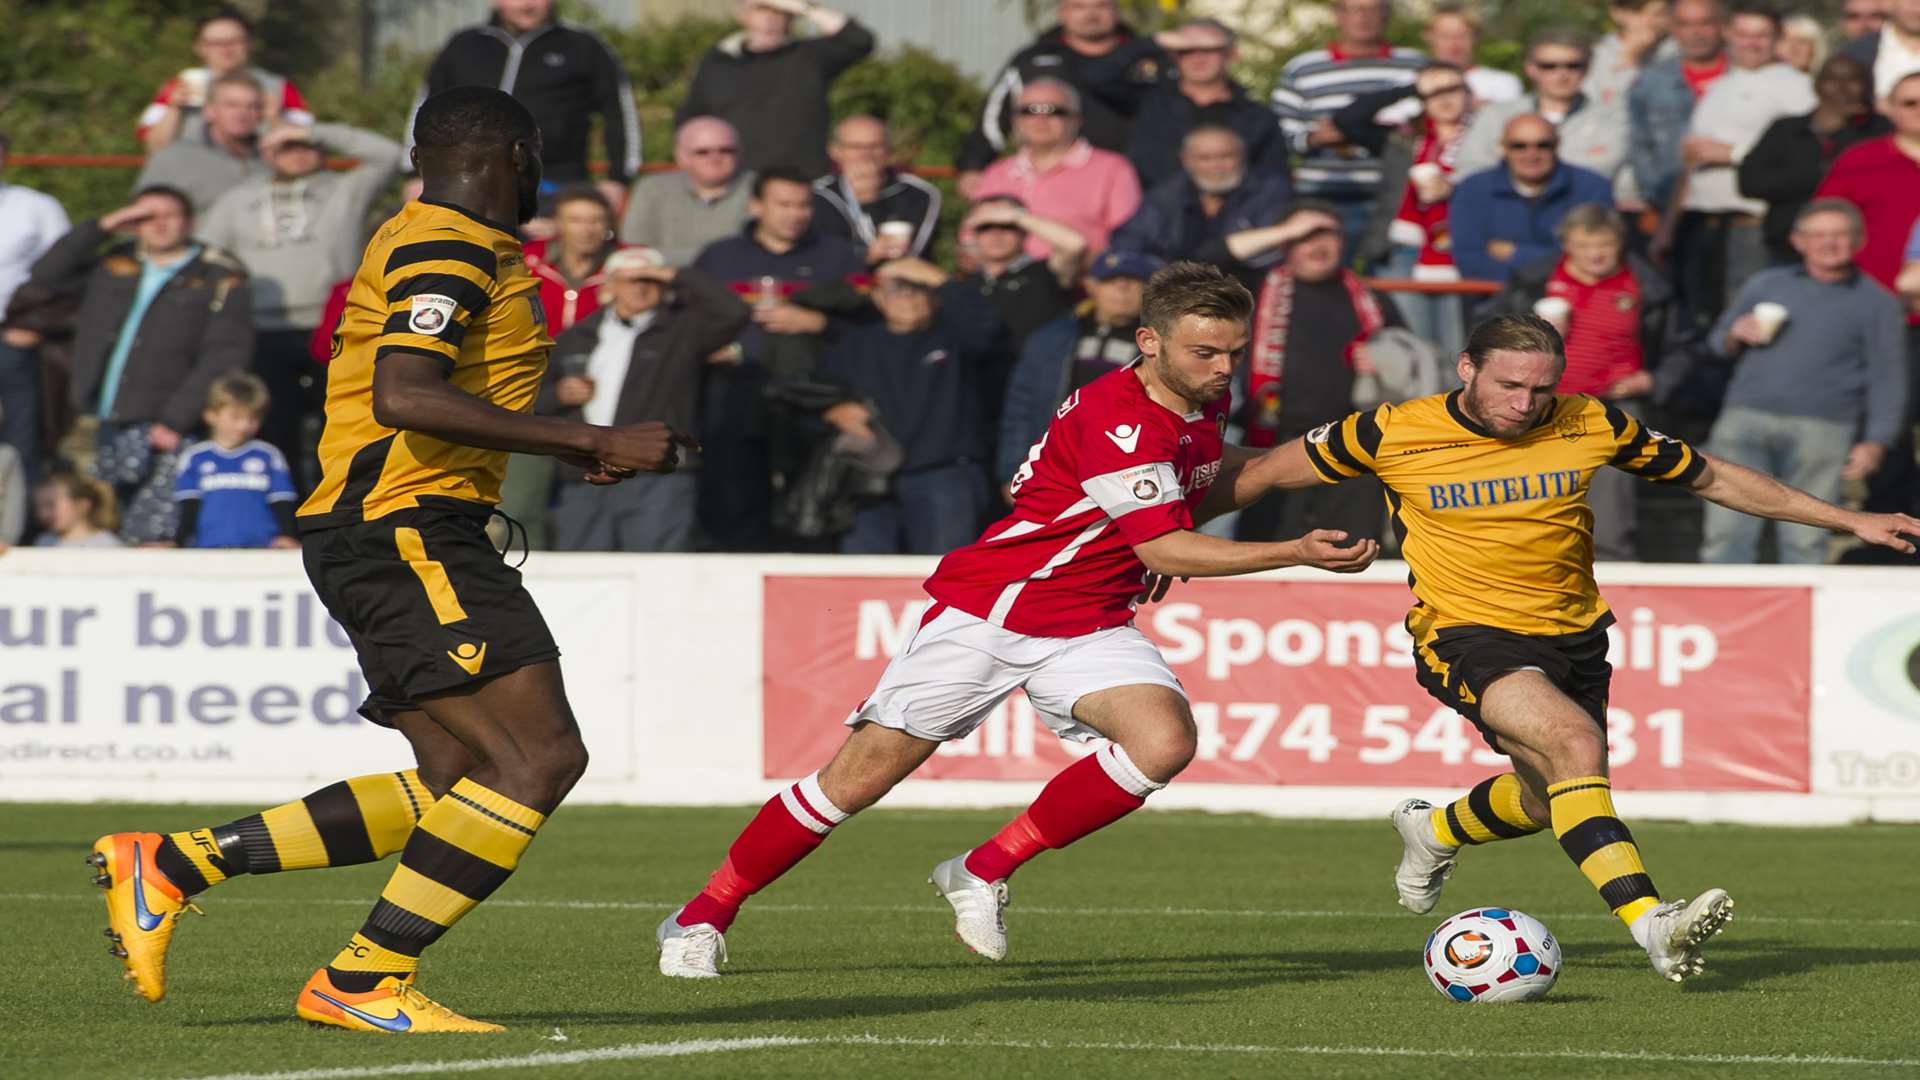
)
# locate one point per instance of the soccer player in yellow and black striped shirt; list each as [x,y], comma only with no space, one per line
[435,369]
[1489,486]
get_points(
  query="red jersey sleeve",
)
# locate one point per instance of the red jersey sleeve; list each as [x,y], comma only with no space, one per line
[1127,469]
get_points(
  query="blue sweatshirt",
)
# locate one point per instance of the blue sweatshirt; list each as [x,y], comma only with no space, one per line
[1841,355]
[1486,207]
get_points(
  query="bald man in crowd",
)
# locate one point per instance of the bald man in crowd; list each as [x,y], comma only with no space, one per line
[679,213]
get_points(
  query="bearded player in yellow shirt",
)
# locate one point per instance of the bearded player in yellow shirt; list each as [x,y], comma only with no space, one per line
[1489,485]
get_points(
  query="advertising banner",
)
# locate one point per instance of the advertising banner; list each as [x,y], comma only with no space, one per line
[210,677]
[1302,683]
[1868,671]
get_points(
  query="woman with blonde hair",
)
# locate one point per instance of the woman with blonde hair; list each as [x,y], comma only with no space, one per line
[1803,43]
[77,511]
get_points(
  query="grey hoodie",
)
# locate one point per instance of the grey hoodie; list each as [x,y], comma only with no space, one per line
[298,237]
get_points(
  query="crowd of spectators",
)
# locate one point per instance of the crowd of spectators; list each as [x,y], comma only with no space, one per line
[1717,204]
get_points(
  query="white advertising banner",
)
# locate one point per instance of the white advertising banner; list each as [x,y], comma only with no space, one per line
[1867,671]
[200,676]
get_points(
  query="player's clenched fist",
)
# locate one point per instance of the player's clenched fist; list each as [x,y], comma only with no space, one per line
[1328,550]
[650,446]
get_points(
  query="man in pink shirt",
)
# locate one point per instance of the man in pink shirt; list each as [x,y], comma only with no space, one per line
[1059,175]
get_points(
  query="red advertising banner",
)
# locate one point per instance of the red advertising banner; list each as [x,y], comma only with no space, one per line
[1311,684]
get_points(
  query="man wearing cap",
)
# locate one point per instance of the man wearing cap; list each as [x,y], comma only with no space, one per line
[1316,330]
[918,366]
[298,231]
[639,355]
[1072,351]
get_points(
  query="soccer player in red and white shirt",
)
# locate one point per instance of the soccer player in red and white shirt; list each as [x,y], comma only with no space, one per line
[1044,601]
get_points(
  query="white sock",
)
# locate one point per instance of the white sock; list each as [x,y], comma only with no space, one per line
[1642,927]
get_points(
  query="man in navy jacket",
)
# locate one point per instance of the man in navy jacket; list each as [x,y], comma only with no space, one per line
[918,368]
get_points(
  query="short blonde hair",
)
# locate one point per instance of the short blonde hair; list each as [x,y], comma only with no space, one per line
[240,390]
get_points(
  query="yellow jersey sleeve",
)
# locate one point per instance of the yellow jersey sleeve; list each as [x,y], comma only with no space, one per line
[434,290]
[1649,454]
[1346,448]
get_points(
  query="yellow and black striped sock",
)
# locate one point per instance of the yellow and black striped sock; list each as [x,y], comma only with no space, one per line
[467,846]
[361,820]
[1599,843]
[1491,811]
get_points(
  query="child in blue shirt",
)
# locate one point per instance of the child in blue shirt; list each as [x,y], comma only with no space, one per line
[234,490]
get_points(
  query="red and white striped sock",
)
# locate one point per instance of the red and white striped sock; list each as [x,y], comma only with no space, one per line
[1086,796]
[786,830]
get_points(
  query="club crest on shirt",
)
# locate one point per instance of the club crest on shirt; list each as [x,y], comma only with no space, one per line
[1571,428]
[1220,424]
[1624,301]
[430,313]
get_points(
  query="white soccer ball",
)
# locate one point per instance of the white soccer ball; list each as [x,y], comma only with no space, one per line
[1492,955]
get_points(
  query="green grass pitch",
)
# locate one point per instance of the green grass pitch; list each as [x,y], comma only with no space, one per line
[1172,945]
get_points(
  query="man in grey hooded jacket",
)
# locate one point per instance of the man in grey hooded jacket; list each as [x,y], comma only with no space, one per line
[299,231]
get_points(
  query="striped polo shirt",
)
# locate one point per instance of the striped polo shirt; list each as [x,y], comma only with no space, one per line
[1317,84]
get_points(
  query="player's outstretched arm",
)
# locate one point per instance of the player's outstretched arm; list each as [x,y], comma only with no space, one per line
[411,393]
[1750,491]
[1247,474]
[1185,553]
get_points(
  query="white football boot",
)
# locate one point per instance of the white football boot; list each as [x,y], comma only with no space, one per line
[1425,862]
[1677,928]
[690,952]
[977,907]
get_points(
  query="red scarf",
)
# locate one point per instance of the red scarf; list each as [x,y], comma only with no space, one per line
[1270,346]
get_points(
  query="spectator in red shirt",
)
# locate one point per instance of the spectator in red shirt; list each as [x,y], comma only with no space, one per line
[1618,310]
[1882,177]
[224,42]
[569,266]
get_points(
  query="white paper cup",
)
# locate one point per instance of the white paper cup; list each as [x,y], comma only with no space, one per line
[194,84]
[1425,173]
[1555,310]
[897,233]
[1770,316]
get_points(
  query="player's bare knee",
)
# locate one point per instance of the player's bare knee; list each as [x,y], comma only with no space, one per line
[1164,748]
[1577,748]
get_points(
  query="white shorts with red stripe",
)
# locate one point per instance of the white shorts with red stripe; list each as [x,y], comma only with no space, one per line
[956,668]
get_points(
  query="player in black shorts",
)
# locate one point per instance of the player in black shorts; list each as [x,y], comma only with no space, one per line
[1489,485]
[436,365]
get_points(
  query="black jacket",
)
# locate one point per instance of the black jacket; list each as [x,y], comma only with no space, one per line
[1786,166]
[562,74]
[776,100]
[1171,225]
[904,197]
[663,378]
[1166,116]
[198,328]
[926,385]
[1111,90]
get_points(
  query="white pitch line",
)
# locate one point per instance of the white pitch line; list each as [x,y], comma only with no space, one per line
[633,1051]
[892,909]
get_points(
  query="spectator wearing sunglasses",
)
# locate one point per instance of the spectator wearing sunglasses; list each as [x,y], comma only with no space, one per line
[679,213]
[1720,241]
[1509,216]
[1591,135]
[1058,174]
